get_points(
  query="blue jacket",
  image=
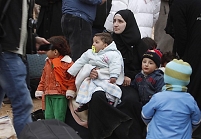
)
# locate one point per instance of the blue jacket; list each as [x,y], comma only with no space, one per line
[85,9]
[148,85]
[171,115]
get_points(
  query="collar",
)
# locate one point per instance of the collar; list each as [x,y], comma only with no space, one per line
[66,59]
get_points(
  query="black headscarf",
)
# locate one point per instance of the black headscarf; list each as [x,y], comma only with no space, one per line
[130,37]
[130,44]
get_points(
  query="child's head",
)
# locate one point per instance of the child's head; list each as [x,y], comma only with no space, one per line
[177,72]
[58,46]
[167,57]
[150,42]
[151,61]
[101,40]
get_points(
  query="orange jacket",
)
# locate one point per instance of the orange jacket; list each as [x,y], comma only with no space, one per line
[55,79]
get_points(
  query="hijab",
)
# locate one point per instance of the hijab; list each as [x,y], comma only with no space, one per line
[130,37]
[130,44]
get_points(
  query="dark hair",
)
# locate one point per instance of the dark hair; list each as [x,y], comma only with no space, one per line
[167,57]
[150,42]
[105,37]
[60,44]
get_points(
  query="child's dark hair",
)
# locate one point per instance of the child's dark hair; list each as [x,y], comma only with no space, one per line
[60,44]
[167,57]
[105,37]
[150,42]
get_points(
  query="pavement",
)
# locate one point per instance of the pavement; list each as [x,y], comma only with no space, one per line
[6,109]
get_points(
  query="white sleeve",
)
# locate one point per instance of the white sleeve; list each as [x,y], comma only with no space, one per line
[79,63]
[157,4]
[116,6]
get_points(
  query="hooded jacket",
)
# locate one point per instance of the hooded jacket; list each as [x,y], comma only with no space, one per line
[55,79]
[109,57]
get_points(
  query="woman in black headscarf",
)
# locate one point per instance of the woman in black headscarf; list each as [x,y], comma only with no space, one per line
[129,42]
[124,121]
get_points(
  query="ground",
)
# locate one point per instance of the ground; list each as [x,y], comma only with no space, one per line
[7,110]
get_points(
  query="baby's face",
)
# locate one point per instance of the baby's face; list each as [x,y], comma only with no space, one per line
[98,44]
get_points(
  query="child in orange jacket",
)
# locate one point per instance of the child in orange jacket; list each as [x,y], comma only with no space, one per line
[56,84]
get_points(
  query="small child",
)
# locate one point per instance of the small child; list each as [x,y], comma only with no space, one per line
[166,57]
[150,80]
[172,113]
[105,57]
[56,84]
[150,43]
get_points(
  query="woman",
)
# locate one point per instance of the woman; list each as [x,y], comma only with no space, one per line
[124,121]
[146,14]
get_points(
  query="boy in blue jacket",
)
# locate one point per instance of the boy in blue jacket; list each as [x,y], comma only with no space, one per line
[172,113]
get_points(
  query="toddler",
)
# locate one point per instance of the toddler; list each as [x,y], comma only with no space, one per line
[166,57]
[105,57]
[150,80]
[172,113]
[56,84]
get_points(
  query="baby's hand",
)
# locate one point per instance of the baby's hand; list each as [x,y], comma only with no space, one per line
[93,74]
[113,80]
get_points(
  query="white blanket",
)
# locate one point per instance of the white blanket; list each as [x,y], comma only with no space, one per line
[86,86]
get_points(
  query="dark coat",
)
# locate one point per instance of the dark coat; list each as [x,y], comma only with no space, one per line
[148,85]
[106,121]
[101,14]
[12,24]
[49,19]
[186,18]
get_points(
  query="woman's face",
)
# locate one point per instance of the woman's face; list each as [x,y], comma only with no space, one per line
[119,24]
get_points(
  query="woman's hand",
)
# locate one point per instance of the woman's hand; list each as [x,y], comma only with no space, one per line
[127,81]
[94,74]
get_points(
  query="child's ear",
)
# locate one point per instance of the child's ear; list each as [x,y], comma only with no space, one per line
[106,44]
[56,52]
